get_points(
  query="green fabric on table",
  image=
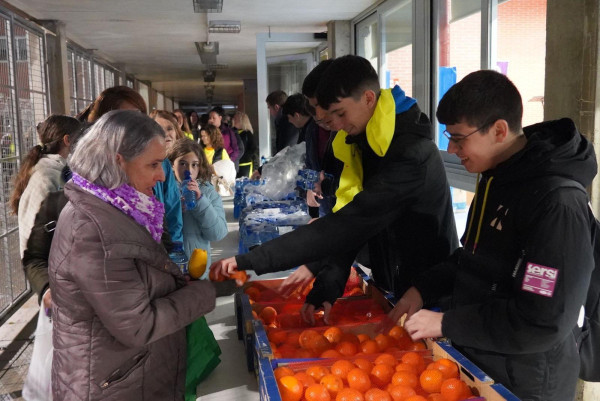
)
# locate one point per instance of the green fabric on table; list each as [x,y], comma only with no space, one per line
[202,356]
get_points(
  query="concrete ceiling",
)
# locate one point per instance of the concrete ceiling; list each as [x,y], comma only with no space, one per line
[154,39]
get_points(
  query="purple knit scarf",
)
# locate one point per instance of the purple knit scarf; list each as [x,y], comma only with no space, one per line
[144,209]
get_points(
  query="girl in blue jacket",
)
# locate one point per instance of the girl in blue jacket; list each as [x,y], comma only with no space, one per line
[206,222]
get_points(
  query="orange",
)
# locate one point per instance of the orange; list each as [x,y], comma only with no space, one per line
[197,263]
[415,359]
[287,351]
[292,338]
[406,367]
[364,364]
[350,394]
[382,374]
[277,336]
[305,337]
[369,347]
[346,348]
[400,392]
[331,353]
[214,276]
[436,397]
[253,293]
[415,398]
[355,292]
[448,368]
[239,276]
[281,371]
[383,342]
[407,379]
[290,388]
[305,379]
[318,344]
[431,380]
[332,383]
[317,392]
[268,315]
[353,338]
[377,394]
[333,334]
[397,332]
[417,346]
[454,389]
[317,372]
[363,337]
[386,358]
[341,368]
[359,380]
[304,353]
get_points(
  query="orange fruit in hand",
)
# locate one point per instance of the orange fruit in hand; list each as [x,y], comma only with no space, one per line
[407,379]
[317,392]
[290,388]
[268,314]
[350,394]
[454,390]
[359,380]
[381,375]
[213,275]
[369,347]
[341,368]
[239,276]
[448,368]
[386,358]
[431,380]
[333,334]
[377,394]
[346,348]
[364,364]
[253,293]
[400,392]
[305,379]
[281,371]
[332,383]
[317,372]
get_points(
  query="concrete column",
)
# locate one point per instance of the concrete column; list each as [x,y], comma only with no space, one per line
[250,106]
[121,76]
[572,70]
[58,75]
[338,38]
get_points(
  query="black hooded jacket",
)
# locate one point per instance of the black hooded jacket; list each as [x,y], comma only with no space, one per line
[404,212]
[513,324]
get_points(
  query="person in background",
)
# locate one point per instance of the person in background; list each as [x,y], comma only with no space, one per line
[130,304]
[194,122]
[206,222]
[44,170]
[212,141]
[285,133]
[202,122]
[182,123]
[524,229]
[393,192]
[230,143]
[249,160]
[114,98]
[168,122]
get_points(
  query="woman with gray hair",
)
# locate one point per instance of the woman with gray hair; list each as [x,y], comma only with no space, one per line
[120,306]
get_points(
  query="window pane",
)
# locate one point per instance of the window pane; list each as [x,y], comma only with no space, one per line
[459,30]
[521,52]
[398,36]
[461,201]
[367,41]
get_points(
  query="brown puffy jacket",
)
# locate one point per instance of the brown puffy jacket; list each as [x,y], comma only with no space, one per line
[119,307]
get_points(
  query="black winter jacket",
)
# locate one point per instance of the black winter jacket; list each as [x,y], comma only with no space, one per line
[404,212]
[518,291]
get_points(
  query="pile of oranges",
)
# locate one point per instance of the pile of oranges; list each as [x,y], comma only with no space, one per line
[332,342]
[384,378]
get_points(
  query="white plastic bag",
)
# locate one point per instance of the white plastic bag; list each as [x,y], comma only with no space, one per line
[38,385]
[225,178]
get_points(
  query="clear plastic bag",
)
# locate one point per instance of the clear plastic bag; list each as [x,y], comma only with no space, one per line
[38,384]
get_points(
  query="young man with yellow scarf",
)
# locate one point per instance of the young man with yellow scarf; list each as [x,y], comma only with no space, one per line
[393,191]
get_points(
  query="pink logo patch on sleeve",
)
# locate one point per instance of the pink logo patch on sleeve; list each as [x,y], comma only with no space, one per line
[539,279]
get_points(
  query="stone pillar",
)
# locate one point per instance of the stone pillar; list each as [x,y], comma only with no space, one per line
[58,75]
[338,38]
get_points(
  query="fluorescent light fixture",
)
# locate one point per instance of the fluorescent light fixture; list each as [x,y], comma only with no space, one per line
[208,52]
[208,6]
[224,26]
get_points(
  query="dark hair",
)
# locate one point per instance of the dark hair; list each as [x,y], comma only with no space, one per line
[112,99]
[297,103]
[203,120]
[219,110]
[347,76]
[311,82]
[276,98]
[481,98]
[216,138]
[184,146]
[51,132]
[185,126]
[171,117]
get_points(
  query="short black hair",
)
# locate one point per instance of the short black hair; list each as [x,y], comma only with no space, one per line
[219,110]
[296,103]
[276,98]
[311,82]
[480,99]
[347,76]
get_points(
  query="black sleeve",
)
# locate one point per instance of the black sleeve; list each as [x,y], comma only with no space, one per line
[432,290]
[252,149]
[383,199]
[331,280]
[35,257]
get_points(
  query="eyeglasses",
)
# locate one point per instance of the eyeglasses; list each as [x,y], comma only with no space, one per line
[458,138]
